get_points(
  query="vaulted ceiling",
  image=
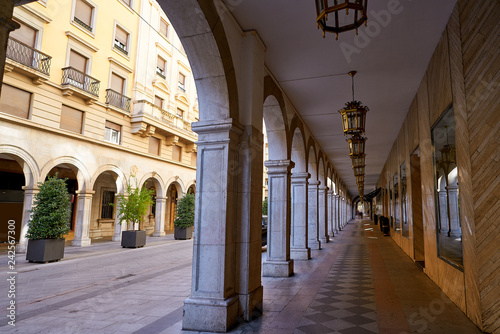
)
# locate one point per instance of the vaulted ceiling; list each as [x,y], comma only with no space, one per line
[390,55]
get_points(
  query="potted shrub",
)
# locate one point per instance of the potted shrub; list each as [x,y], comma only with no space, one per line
[184,221]
[131,207]
[48,222]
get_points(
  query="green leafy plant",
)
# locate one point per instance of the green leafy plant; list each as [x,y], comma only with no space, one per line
[264,207]
[185,211]
[133,204]
[51,212]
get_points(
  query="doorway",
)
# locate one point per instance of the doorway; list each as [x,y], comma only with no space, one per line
[416,203]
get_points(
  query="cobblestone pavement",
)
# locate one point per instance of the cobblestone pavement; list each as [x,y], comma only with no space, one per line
[360,282]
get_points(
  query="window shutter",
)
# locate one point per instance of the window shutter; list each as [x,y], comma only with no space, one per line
[117,83]
[121,35]
[163,27]
[176,153]
[154,145]
[113,126]
[158,101]
[15,101]
[78,61]
[83,12]
[182,78]
[161,64]
[25,34]
[71,119]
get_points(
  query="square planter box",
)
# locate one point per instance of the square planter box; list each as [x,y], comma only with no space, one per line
[45,250]
[183,233]
[133,239]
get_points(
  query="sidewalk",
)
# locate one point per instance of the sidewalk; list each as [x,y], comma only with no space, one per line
[360,282]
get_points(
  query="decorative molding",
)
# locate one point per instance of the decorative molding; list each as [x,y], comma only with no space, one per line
[36,13]
[119,64]
[80,40]
[186,67]
[163,48]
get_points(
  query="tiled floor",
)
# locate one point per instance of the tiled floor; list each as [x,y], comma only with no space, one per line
[360,282]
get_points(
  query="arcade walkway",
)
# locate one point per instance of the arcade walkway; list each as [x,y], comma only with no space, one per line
[361,282]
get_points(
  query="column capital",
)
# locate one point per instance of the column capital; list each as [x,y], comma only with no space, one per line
[278,166]
[86,192]
[314,183]
[297,177]
[216,127]
[330,192]
[324,188]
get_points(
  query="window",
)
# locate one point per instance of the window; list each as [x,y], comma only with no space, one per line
[164,28]
[154,145]
[158,102]
[78,62]
[108,198]
[194,158]
[15,101]
[180,113]
[161,67]
[396,203]
[83,14]
[121,40]
[182,82]
[112,132]
[128,2]
[25,34]
[176,153]
[404,201]
[448,229]
[117,83]
[71,119]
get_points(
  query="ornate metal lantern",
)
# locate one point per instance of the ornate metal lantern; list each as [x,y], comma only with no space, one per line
[353,114]
[358,160]
[359,170]
[360,179]
[356,145]
[354,17]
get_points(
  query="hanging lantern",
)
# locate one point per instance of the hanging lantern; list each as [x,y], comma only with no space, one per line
[345,15]
[353,114]
[360,179]
[359,170]
[356,145]
[358,160]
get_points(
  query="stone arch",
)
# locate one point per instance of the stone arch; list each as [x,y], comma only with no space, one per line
[297,146]
[26,161]
[157,181]
[120,178]
[312,159]
[179,184]
[206,44]
[275,121]
[78,167]
[191,186]
[322,170]
[173,193]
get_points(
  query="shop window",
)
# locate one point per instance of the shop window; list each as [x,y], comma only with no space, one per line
[404,201]
[15,101]
[449,230]
[71,119]
[112,132]
[154,145]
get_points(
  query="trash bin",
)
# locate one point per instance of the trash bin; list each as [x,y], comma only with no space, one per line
[385,225]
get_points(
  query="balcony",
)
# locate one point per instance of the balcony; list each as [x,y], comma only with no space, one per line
[182,87]
[148,119]
[75,82]
[117,100]
[160,73]
[120,47]
[28,60]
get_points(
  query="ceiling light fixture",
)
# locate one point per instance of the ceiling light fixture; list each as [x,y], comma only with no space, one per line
[355,15]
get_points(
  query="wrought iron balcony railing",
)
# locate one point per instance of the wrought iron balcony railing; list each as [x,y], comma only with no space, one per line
[120,47]
[26,55]
[78,79]
[117,100]
[182,87]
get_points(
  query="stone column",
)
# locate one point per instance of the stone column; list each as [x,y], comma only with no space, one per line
[29,198]
[454,219]
[117,235]
[213,304]
[312,215]
[336,213]
[331,214]
[161,206]
[323,214]
[6,26]
[299,249]
[278,262]
[82,224]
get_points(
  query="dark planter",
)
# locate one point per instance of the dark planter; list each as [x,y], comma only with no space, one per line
[45,250]
[133,239]
[183,233]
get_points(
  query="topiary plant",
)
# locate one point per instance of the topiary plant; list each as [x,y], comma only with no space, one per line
[185,211]
[51,212]
[133,204]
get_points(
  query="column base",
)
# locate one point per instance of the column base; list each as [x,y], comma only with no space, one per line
[158,234]
[81,243]
[277,268]
[116,237]
[324,240]
[314,244]
[332,235]
[252,303]
[21,248]
[210,315]
[300,253]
